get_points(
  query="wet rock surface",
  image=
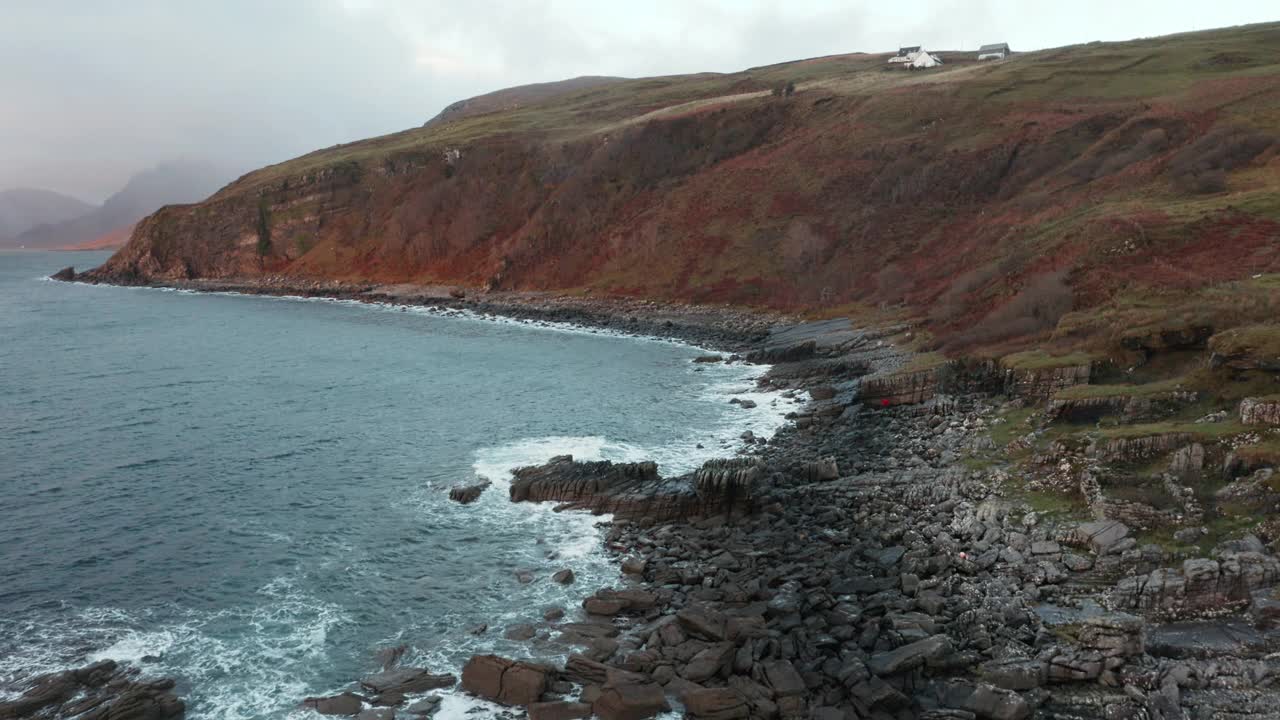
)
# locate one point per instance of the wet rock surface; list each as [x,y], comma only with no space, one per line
[101,691]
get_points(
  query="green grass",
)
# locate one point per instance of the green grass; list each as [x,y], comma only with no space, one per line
[1084,392]
[1147,311]
[1221,527]
[1014,427]
[1266,452]
[921,362]
[1260,342]
[1040,360]
[1200,431]
[1050,504]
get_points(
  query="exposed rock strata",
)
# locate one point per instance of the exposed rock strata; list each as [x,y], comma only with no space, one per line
[1260,411]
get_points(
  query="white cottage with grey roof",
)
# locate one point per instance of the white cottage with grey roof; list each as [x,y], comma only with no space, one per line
[997,51]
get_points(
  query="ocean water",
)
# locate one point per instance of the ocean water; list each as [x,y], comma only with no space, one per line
[249,494]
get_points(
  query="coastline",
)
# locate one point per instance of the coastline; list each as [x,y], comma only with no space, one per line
[718,328]
[851,566]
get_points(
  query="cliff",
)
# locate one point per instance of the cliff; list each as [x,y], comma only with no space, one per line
[996,202]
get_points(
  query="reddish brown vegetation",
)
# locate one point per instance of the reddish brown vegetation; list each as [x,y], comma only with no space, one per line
[992,219]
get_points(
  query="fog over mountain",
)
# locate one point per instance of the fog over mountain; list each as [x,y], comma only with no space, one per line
[24,208]
[146,192]
[95,92]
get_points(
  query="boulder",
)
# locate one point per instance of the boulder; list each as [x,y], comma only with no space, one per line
[629,701]
[467,494]
[1102,535]
[66,274]
[426,706]
[783,678]
[559,710]
[1015,673]
[504,681]
[984,700]
[563,577]
[344,704]
[406,680]
[607,606]
[701,622]
[910,656]
[1264,608]
[709,662]
[715,704]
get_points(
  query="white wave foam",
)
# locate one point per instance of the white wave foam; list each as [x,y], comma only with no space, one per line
[432,310]
[132,648]
[242,663]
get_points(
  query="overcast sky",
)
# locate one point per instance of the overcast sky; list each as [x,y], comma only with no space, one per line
[92,91]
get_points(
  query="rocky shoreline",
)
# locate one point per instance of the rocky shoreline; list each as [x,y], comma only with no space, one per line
[860,564]
[721,328]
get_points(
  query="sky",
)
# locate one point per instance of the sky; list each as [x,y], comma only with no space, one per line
[93,91]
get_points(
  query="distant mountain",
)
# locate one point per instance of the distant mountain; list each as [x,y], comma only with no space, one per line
[24,208]
[514,97]
[146,192]
[113,240]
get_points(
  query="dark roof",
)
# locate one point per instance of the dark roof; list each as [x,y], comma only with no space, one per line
[1004,47]
[903,52]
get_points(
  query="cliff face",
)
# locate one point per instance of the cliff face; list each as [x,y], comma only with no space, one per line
[990,198]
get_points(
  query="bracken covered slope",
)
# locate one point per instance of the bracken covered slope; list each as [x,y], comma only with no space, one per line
[1000,203]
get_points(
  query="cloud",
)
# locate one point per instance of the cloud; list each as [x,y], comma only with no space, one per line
[96,91]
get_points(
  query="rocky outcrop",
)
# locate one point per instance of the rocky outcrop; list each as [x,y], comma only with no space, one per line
[1202,586]
[101,691]
[1255,492]
[467,494]
[504,681]
[1260,411]
[906,388]
[1042,383]
[403,681]
[1185,337]
[1129,407]
[1134,449]
[969,376]
[66,274]
[635,492]
[341,704]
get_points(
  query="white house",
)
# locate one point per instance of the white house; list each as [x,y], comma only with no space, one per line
[905,55]
[925,60]
[998,51]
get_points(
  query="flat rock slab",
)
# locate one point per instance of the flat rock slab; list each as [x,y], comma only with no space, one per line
[1206,639]
[1103,534]
[406,680]
[559,710]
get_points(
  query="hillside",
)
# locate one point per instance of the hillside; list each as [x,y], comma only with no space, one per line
[513,98]
[24,208]
[146,192]
[1074,198]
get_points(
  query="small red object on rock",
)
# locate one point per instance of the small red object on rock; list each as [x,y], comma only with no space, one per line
[884,402]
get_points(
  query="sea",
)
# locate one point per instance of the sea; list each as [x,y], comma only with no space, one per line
[250,494]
